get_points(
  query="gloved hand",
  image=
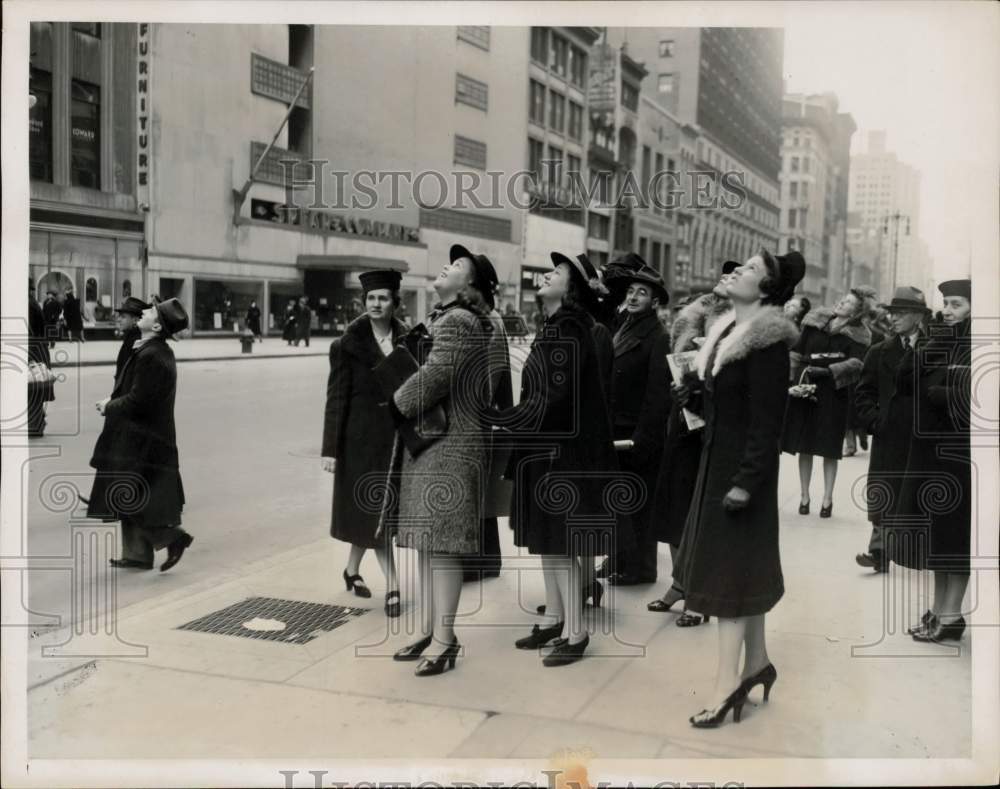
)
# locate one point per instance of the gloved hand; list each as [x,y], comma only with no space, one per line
[816,373]
[736,499]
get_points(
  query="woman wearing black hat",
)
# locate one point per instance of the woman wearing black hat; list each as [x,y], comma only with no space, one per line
[358,430]
[830,355]
[937,486]
[563,458]
[728,562]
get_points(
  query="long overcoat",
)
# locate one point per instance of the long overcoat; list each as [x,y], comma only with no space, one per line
[563,466]
[885,410]
[818,428]
[253,319]
[72,314]
[358,432]
[729,563]
[932,525]
[436,500]
[138,471]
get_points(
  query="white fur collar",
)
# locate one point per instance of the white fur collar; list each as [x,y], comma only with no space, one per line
[765,328]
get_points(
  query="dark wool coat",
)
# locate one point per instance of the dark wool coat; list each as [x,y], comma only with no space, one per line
[605,347]
[435,501]
[38,352]
[854,420]
[728,562]
[817,428]
[138,473]
[128,339]
[253,319]
[886,411]
[288,329]
[52,311]
[303,323]
[563,465]
[931,526]
[358,432]
[678,470]
[72,314]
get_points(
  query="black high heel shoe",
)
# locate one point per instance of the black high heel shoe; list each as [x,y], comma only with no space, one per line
[566,653]
[430,667]
[539,636]
[688,619]
[413,651]
[925,622]
[356,584]
[766,677]
[804,508]
[392,609]
[938,631]
[661,606]
[826,511]
[710,719]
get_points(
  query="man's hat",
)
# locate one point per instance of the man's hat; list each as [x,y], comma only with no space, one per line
[484,274]
[729,266]
[133,306]
[172,316]
[647,275]
[957,287]
[380,279]
[907,299]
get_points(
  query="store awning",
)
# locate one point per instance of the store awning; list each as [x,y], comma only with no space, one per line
[350,263]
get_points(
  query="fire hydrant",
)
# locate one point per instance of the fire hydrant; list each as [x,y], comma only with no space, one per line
[246,340]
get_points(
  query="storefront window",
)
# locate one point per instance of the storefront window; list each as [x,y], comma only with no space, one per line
[222,306]
[128,275]
[91,289]
[90,265]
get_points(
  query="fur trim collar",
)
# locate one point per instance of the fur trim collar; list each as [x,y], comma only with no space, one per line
[359,339]
[695,320]
[820,318]
[767,327]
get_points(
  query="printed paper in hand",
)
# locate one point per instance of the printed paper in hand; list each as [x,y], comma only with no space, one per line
[680,364]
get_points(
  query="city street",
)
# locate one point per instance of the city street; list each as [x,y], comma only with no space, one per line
[258,504]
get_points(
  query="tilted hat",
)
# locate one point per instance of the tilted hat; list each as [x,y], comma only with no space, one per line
[907,298]
[647,275]
[380,279]
[484,274]
[957,287]
[585,274]
[789,269]
[172,316]
[133,306]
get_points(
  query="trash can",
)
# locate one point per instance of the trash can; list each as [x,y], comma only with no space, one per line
[246,340]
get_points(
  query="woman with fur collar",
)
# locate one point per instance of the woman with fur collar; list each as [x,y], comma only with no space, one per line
[830,354]
[728,563]
[358,430]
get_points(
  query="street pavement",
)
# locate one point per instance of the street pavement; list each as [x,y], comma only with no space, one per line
[850,684]
[103,352]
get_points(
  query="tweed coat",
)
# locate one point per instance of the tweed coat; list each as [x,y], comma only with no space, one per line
[436,500]
[136,454]
[818,428]
[885,410]
[728,562]
[358,431]
[678,470]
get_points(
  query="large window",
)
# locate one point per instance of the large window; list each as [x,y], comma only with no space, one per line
[540,45]
[572,164]
[85,135]
[536,109]
[536,152]
[665,84]
[557,111]
[554,164]
[560,56]
[630,96]
[40,115]
[575,129]
[666,48]
[578,66]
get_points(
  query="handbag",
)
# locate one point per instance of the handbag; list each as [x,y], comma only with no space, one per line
[423,430]
[802,390]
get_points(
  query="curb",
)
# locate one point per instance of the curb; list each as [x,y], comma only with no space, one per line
[111,363]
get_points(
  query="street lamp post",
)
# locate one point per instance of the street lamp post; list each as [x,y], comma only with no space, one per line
[896,219]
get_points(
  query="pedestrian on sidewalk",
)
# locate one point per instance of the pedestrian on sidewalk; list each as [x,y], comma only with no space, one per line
[855,434]
[40,391]
[682,447]
[129,313]
[884,406]
[562,450]
[358,431]
[253,321]
[729,564]
[289,330]
[138,478]
[303,322]
[638,404]
[439,505]
[939,458]
[797,308]
[829,355]
[52,314]
[73,314]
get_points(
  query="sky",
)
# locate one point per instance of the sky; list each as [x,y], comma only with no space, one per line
[928,75]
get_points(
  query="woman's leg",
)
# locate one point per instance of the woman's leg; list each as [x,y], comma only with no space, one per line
[805,475]
[955,585]
[575,630]
[555,609]
[387,561]
[940,593]
[732,633]
[447,592]
[354,559]
[829,479]
[426,592]
[755,655]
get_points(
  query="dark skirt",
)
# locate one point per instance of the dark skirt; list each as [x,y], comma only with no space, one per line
[817,428]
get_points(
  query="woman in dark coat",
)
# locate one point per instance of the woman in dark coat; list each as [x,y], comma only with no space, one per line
[253,320]
[358,431]
[303,322]
[829,353]
[855,435]
[728,563]
[563,464]
[73,314]
[138,478]
[38,353]
[937,487]
[289,330]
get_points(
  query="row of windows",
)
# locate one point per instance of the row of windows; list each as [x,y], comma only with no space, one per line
[559,55]
[798,189]
[549,164]
[797,217]
[557,117]
[793,164]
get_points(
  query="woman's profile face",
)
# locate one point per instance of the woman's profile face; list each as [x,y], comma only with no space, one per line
[556,282]
[848,306]
[956,309]
[744,283]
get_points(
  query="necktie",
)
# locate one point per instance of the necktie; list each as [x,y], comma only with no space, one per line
[906,343]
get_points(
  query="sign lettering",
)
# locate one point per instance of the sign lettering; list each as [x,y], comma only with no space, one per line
[143,148]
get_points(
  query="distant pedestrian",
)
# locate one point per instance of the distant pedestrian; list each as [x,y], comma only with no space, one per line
[253,321]
[129,313]
[797,307]
[855,435]
[303,322]
[52,314]
[138,477]
[288,329]
[73,315]
[40,391]
[828,355]
[358,430]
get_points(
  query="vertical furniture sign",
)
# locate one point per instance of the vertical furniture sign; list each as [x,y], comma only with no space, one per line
[144,116]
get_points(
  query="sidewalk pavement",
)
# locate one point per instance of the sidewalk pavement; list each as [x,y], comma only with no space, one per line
[100,352]
[845,686]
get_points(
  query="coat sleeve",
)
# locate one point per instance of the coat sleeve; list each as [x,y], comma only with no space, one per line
[848,371]
[797,356]
[767,394]
[648,436]
[152,377]
[605,346]
[338,391]
[432,383]
[866,392]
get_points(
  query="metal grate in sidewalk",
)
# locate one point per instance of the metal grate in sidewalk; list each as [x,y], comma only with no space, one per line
[270,619]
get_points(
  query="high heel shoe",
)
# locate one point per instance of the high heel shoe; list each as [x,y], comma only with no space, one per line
[430,667]
[766,677]
[566,653]
[688,619]
[803,508]
[392,607]
[925,621]
[661,606]
[710,719]
[826,510]
[593,592]
[938,631]
[356,584]
[413,651]
[539,636]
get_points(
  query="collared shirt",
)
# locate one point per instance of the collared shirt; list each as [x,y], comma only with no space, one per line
[909,340]
[384,343]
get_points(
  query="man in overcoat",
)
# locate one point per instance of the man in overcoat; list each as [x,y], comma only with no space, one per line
[73,313]
[886,412]
[138,477]
[51,312]
[303,322]
[129,313]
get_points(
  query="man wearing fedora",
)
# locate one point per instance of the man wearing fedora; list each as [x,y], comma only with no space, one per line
[138,477]
[129,313]
[885,410]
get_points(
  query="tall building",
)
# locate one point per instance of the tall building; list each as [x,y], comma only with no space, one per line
[815,156]
[885,193]
[726,83]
